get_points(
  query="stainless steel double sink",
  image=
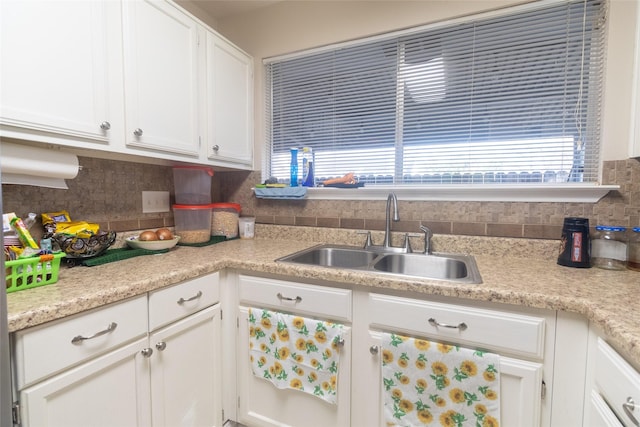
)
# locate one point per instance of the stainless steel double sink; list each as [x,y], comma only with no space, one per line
[449,267]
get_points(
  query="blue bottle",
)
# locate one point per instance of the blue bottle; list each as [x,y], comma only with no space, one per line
[294,167]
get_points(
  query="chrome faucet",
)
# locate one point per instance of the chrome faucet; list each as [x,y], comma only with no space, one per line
[396,217]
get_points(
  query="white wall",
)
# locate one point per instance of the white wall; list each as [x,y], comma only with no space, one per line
[291,26]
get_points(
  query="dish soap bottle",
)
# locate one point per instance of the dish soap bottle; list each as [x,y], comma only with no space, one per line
[294,168]
[307,167]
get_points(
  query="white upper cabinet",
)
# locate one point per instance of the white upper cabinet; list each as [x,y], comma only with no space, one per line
[161,48]
[59,71]
[229,103]
[134,77]
[634,149]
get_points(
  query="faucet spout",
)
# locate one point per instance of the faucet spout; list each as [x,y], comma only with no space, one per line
[391,198]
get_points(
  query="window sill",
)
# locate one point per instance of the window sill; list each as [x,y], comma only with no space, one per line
[571,193]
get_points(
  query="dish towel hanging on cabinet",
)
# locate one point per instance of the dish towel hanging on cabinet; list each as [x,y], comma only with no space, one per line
[296,352]
[429,383]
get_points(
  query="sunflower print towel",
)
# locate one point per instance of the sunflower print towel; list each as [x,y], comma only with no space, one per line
[295,352]
[433,384]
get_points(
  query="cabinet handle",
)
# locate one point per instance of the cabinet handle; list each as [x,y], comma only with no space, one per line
[433,322]
[161,345]
[105,125]
[196,296]
[137,132]
[215,148]
[283,298]
[79,338]
[629,406]
[146,352]
[374,349]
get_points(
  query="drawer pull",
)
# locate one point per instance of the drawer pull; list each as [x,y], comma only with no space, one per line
[374,349]
[283,298]
[433,322]
[79,338]
[161,345]
[196,296]
[629,406]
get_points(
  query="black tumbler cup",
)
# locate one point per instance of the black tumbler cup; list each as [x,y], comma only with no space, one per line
[575,246]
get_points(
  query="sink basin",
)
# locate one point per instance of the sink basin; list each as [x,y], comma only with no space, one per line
[333,256]
[449,267]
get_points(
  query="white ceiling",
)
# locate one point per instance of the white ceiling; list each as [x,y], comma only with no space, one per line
[219,9]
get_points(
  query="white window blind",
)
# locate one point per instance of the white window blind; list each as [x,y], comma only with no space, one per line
[514,97]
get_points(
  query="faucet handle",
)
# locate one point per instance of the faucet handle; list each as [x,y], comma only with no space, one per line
[407,244]
[368,243]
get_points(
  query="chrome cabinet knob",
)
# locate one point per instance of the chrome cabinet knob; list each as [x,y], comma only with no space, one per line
[137,132]
[374,349]
[105,125]
[161,345]
[146,352]
[215,148]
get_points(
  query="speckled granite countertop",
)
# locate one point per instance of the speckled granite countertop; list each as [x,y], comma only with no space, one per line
[610,299]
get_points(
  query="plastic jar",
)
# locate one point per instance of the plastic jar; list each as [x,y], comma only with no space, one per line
[224,221]
[633,250]
[192,184]
[192,223]
[609,248]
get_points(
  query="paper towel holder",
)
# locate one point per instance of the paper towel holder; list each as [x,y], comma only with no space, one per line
[23,164]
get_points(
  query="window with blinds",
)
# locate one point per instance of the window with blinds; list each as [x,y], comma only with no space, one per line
[507,98]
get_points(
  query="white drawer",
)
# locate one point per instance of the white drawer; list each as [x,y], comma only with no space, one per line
[618,382]
[300,298]
[175,302]
[47,349]
[487,329]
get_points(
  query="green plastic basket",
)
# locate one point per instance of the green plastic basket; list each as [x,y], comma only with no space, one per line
[32,272]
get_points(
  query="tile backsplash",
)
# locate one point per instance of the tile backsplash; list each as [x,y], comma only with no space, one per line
[109,192]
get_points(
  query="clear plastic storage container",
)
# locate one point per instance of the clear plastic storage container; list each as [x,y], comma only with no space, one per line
[192,184]
[224,221]
[192,223]
[633,250]
[609,248]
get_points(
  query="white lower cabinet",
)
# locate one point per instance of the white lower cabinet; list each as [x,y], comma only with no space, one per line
[185,380]
[519,340]
[150,361]
[260,403]
[110,390]
[523,339]
[613,387]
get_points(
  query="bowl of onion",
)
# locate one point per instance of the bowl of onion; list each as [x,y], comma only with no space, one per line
[151,240]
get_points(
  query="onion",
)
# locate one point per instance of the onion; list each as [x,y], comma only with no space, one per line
[148,236]
[164,234]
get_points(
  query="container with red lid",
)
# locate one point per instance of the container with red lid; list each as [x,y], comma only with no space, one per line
[224,219]
[192,184]
[192,223]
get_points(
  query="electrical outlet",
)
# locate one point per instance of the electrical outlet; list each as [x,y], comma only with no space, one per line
[155,201]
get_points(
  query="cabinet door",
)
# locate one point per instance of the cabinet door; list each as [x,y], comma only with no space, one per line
[161,78]
[262,404]
[599,413]
[59,62]
[185,372]
[111,390]
[520,388]
[229,102]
